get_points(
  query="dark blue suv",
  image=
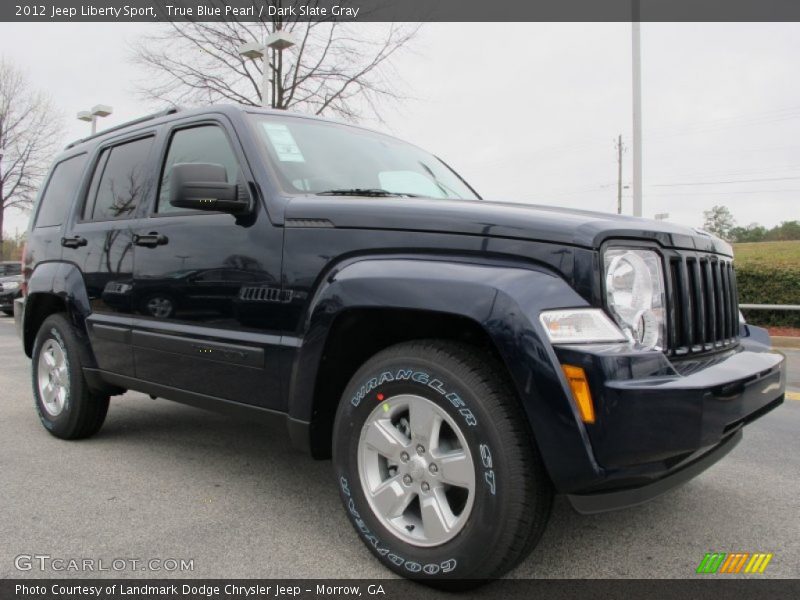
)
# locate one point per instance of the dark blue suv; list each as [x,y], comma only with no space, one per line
[460,360]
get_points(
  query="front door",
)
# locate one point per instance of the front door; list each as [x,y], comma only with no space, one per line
[191,273]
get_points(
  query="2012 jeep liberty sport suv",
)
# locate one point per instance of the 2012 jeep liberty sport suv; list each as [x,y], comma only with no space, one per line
[460,360]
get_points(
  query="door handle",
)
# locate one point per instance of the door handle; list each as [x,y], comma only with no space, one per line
[150,240]
[73,242]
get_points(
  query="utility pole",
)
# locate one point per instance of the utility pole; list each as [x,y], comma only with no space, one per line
[636,52]
[620,149]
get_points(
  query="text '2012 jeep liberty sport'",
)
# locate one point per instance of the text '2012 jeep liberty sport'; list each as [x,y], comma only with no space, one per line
[461,360]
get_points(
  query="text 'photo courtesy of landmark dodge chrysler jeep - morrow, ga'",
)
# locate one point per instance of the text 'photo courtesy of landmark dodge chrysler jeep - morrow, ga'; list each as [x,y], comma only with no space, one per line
[460,360]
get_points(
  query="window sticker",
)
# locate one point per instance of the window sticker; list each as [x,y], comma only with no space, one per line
[282,141]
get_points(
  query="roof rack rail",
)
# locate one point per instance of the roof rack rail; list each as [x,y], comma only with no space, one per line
[162,113]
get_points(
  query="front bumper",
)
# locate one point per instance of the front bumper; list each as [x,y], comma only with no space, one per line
[659,423]
[7,299]
[605,501]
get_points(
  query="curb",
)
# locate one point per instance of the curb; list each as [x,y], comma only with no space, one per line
[785,341]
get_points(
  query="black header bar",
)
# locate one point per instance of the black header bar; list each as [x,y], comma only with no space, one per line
[400,10]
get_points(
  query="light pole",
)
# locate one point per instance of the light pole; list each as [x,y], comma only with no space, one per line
[278,41]
[99,110]
[636,62]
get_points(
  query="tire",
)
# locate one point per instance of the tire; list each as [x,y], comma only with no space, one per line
[9,313]
[160,306]
[487,470]
[67,408]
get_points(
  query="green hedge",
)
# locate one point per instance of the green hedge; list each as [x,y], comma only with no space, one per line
[770,284]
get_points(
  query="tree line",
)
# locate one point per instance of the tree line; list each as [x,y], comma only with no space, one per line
[720,221]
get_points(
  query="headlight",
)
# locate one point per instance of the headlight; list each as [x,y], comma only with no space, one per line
[635,294]
[9,285]
[579,325]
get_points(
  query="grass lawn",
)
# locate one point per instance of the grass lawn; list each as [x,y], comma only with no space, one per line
[769,253]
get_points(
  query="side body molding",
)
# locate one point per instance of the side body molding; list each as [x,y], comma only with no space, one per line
[503,298]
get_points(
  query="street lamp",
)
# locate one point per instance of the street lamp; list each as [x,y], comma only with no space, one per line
[90,116]
[278,41]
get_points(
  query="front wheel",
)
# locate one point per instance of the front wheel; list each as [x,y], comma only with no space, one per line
[436,466]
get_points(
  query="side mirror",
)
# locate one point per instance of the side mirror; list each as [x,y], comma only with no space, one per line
[203,186]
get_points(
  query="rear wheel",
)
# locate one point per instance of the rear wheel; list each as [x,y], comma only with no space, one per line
[66,406]
[9,313]
[436,467]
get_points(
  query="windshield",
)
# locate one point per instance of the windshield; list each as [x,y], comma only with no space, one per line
[317,157]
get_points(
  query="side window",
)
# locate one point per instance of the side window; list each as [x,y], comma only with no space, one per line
[203,144]
[213,275]
[120,181]
[10,268]
[60,190]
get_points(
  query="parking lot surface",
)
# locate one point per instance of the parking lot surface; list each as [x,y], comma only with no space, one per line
[165,481]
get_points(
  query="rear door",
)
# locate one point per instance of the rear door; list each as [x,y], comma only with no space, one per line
[100,243]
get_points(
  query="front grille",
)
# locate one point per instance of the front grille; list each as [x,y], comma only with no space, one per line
[703,305]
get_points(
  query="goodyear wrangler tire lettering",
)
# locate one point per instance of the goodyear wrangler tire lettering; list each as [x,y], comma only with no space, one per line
[374,541]
[413,567]
[448,565]
[419,377]
[488,475]
[379,445]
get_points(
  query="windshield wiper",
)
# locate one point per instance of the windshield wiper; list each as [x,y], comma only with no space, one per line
[370,192]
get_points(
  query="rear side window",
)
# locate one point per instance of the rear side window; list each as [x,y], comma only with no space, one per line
[60,191]
[120,181]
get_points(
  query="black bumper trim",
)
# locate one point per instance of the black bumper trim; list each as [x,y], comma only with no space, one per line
[587,504]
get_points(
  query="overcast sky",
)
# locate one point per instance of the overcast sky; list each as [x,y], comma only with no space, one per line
[529,112]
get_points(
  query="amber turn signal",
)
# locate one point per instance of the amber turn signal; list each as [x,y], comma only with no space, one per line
[580,391]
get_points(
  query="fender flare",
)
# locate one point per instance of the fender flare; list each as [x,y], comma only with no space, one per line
[63,281]
[503,298]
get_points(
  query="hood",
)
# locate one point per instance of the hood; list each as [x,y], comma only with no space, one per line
[496,219]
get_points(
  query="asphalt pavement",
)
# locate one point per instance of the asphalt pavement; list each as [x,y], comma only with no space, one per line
[164,481]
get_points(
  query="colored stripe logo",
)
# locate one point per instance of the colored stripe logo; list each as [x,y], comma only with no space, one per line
[734,562]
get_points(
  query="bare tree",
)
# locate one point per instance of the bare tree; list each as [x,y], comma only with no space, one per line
[335,68]
[30,129]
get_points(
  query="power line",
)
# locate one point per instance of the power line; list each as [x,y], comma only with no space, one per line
[730,172]
[723,182]
[794,190]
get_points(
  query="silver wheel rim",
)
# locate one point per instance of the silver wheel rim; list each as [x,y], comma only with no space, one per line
[416,470]
[159,307]
[53,377]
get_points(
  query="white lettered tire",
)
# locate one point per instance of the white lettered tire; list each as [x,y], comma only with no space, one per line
[436,465]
